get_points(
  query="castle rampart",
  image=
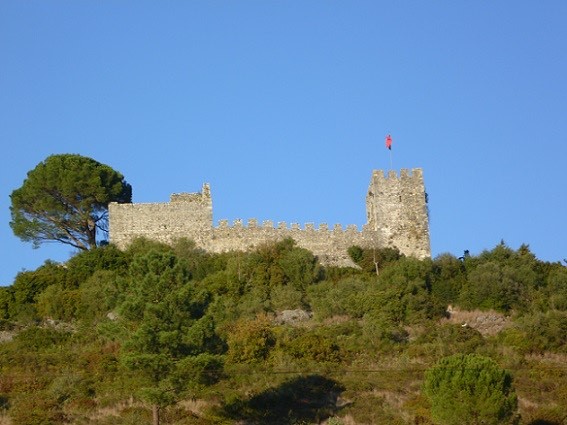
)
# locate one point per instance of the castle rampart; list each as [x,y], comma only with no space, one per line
[396,217]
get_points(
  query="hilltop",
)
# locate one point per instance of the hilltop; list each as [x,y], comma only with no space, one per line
[184,336]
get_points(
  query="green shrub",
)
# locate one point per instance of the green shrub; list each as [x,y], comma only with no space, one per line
[544,331]
[498,287]
[373,260]
[349,297]
[286,297]
[6,300]
[83,265]
[447,278]
[251,341]
[102,292]
[39,408]
[556,291]
[58,303]
[29,285]
[470,389]
[311,346]
[35,338]
[382,331]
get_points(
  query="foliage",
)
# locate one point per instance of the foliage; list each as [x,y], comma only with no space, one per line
[470,389]
[35,338]
[6,302]
[555,291]
[250,341]
[373,260]
[39,409]
[282,263]
[58,303]
[455,339]
[495,286]
[167,315]
[29,285]
[314,347]
[100,294]
[86,263]
[65,199]
[155,325]
[349,297]
[448,277]
[540,332]
[502,279]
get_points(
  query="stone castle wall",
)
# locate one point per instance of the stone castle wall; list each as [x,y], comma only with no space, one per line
[396,212]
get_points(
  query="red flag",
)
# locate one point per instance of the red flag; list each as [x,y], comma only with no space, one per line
[389,142]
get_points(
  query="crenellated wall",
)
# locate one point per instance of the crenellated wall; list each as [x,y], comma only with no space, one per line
[330,245]
[396,213]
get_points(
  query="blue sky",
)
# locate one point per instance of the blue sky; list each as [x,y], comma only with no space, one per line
[283,107]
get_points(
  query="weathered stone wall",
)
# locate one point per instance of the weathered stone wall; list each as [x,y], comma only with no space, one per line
[330,245]
[396,210]
[187,215]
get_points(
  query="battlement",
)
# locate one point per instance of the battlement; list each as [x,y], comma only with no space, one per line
[252,223]
[203,197]
[396,217]
[416,174]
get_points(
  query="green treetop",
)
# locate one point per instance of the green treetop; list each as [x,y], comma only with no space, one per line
[65,199]
[470,389]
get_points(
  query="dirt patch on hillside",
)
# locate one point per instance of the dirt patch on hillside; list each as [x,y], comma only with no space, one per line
[486,322]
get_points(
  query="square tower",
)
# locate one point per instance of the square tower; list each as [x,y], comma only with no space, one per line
[396,209]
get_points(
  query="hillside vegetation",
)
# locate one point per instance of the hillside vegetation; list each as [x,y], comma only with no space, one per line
[175,335]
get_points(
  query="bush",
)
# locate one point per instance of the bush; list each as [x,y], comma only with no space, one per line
[373,260]
[286,298]
[493,286]
[6,299]
[36,338]
[83,265]
[101,293]
[544,331]
[29,285]
[344,298]
[470,389]
[37,409]
[556,291]
[251,340]
[58,303]
[447,278]
[310,346]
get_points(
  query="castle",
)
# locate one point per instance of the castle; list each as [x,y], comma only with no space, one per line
[396,211]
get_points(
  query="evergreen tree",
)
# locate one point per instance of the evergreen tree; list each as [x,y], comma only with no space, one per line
[65,199]
[470,389]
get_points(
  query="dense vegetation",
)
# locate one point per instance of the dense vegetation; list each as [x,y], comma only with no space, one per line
[181,336]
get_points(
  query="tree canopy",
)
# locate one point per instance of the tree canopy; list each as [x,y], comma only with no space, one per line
[65,199]
[470,389]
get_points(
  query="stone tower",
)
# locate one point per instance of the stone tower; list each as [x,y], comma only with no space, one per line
[396,209]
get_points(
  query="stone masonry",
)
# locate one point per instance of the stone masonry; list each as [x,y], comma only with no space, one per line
[396,208]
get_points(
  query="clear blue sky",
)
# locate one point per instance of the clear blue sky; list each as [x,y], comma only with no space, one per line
[283,107]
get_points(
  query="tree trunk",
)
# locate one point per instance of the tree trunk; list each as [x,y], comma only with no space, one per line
[91,233]
[155,413]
